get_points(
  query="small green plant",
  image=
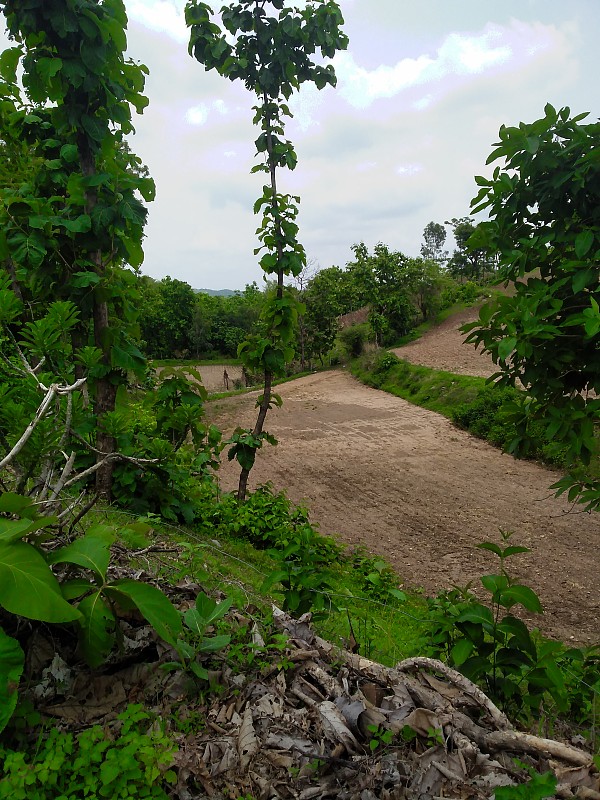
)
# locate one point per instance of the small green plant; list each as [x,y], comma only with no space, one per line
[380,737]
[29,587]
[132,763]
[491,646]
[301,572]
[384,361]
[198,621]
[536,788]
[379,581]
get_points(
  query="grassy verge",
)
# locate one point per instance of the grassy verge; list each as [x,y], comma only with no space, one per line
[360,610]
[469,402]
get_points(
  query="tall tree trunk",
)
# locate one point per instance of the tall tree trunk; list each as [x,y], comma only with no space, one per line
[106,389]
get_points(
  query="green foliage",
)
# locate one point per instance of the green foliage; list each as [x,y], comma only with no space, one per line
[198,621]
[378,580]
[354,338]
[176,321]
[520,670]
[267,520]
[536,788]
[244,445]
[132,762]
[272,50]
[380,737]
[468,261]
[12,662]
[544,224]
[301,571]
[86,594]
[173,454]
[433,389]
[72,217]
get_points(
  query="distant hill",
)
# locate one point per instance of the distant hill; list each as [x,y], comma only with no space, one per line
[222,292]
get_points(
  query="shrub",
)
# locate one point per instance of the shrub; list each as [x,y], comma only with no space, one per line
[354,338]
[92,764]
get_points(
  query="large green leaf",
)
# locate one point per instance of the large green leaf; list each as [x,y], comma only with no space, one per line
[12,660]
[13,529]
[209,610]
[28,587]
[523,595]
[11,503]
[92,551]
[152,605]
[97,634]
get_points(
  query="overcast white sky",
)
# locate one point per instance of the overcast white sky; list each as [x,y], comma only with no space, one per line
[422,90]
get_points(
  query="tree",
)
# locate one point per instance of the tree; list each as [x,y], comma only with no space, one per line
[435,238]
[466,261]
[324,300]
[383,282]
[544,209]
[69,231]
[273,55]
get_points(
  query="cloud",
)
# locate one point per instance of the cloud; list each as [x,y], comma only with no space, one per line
[199,114]
[163,16]
[460,55]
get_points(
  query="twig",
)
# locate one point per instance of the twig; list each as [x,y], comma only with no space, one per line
[39,415]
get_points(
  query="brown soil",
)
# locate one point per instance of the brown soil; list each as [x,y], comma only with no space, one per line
[213,378]
[402,481]
[442,348]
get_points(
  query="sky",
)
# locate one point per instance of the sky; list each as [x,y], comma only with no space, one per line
[422,90]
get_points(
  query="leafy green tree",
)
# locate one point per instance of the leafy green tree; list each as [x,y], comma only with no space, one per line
[166,316]
[544,209]
[324,299]
[426,281]
[69,231]
[383,281]
[271,49]
[466,261]
[432,248]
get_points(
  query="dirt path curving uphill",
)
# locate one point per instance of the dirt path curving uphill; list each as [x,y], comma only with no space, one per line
[377,471]
[443,348]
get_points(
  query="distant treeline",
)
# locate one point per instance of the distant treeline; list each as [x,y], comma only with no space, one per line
[398,292]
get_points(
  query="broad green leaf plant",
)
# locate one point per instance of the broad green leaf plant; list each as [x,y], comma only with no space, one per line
[271,48]
[543,203]
[85,595]
[72,216]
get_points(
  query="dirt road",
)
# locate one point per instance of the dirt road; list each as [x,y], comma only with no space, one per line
[377,471]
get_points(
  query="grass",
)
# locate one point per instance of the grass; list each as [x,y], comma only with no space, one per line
[385,630]
[429,388]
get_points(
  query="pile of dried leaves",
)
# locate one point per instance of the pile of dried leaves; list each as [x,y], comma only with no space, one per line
[314,725]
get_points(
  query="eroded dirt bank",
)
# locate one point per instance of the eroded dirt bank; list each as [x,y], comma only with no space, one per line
[405,483]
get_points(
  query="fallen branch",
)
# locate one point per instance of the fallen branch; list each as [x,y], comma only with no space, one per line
[468,687]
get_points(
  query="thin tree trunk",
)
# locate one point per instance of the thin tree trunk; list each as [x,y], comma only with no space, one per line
[106,389]
[266,399]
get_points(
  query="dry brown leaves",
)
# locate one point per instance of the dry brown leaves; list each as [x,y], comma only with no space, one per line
[317,728]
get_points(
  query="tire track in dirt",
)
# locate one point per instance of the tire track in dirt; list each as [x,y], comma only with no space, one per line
[402,481]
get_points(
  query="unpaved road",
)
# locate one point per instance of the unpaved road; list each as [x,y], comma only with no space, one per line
[402,481]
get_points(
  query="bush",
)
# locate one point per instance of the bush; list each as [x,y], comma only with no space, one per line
[354,338]
[92,764]
[483,416]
